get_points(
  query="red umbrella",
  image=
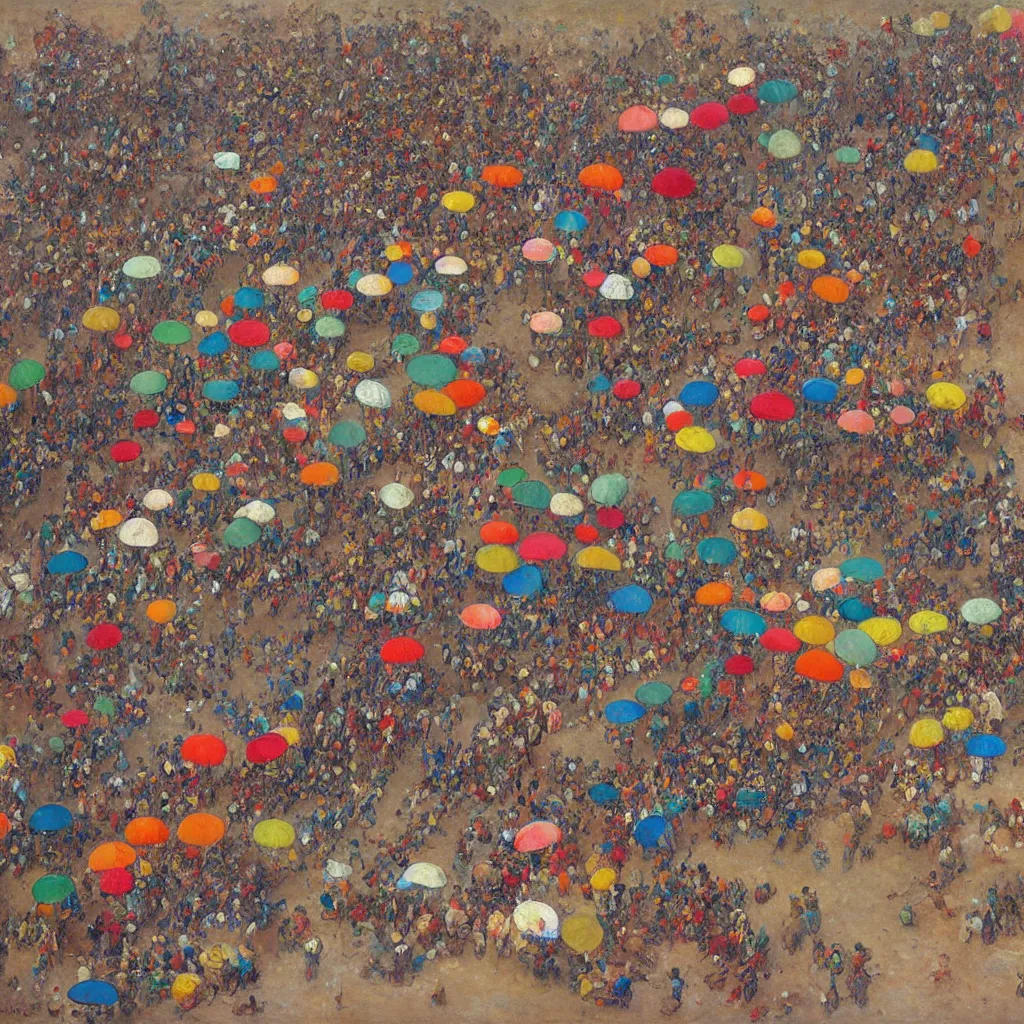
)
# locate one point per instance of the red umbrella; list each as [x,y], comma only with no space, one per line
[337,298]
[739,665]
[625,389]
[678,418]
[294,435]
[145,418]
[185,427]
[604,327]
[249,333]
[748,367]
[594,278]
[116,882]
[610,518]
[709,116]
[542,547]
[122,341]
[125,451]
[453,345]
[401,650]
[971,246]
[742,104]
[773,406]
[204,749]
[779,641]
[103,637]
[497,531]
[757,315]
[74,718]
[673,183]
[585,533]
[266,748]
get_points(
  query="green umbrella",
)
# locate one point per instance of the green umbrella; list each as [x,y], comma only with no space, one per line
[55,743]
[511,476]
[532,494]
[692,503]
[52,889]
[431,371]
[25,374]
[405,345]
[784,145]
[148,382]
[848,155]
[347,434]
[104,706]
[241,533]
[171,332]
[141,267]
[329,327]
[653,695]
[609,489]
[674,552]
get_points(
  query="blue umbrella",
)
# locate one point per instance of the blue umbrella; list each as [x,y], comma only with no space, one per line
[93,993]
[986,745]
[50,818]
[716,551]
[65,563]
[853,609]
[264,359]
[428,301]
[692,503]
[215,344]
[631,599]
[819,390]
[571,220]
[522,582]
[743,622]
[649,830]
[866,570]
[295,702]
[599,385]
[699,393]
[621,712]
[474,354]
[248,298]
[928,142]
[399,273]
[603,793]
[220,390]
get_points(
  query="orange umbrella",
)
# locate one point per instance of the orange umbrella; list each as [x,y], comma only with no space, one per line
[713,594]
[497,531]
[263,185]
[601,176]
[108,856]
[480,616]
[319,474]
[819,665]
[763,217]
[161,610]
[465,393]
[201,829]
[204,749]
[748,480]
[831,289]
[5,824]
[502,175]
[146,832]
[661,255]
[8,396]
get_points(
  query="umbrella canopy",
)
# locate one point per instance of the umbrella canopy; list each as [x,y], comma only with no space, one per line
[204,749]
[241,533]
[631,600]
[712,595]
[653,695]
[401,650]
[480,616]
[533,494]
[779,641]
[141,268]
[431,371]
[743,622]
[980,611]
[66,563]
[201,829]
[622,712]
[52,889]
[777,90]
[273,834]
[717,551]
[815,630]
[536,918]
[146,831]
[601,177]
[496,558]
[542,547]
[673,183]
[649,830]
[395,496]
[692,503]
[582,933]
[709,116]
[699,393]
[958,719]
[819,391]
[25,374]
[926,733]
[609,489]
[855,647]
[599,559]
[819,665]
[571,221]
[638,119]
[425,875]
[523,582]
[266,748]
[865,570]
[986,745]
[603,793]
[537,835]
[93,993]
[111,855]
[116,882]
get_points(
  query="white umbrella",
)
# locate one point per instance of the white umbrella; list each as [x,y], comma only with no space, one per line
[670,407]
[616,287]
[280,274]
[826,579]
[373,394]
[138,533]
[451,266]
[396,496]
[227,161]
[373,284]
[536,918]
[425,874]
[673,117]
[338,870]
[157,500]
[741,77]
[293,411]
[565,504]
[258,511]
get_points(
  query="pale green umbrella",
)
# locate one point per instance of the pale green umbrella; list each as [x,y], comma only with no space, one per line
[848,155]
[148,382]
[405,345]
[329,327]
[141,268]
[609,489]
[784,145]
[240,533]
[347,434]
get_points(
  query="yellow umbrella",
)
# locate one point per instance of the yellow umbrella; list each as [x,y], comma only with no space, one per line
[304,316]
[582,933]
[923,27]
[359,362]
[161,610]
[749,519]
[206,318]
[947,396]
[488,426]
[958,719]
[728,257]
[184,985]
[105,519]
[458,202]
[640,267]
[289,732]
[273,834]
[940,19]
[882,629]
[784,731]
[434,403]
[280,274]
[854,376]
[814,630]
[995,20]
[206,482]
[7,755]
[695,439]
[927,622]
[394,253]
[926,733]
[496,558]
[598,558]
[811,259]
[603,879]
[920,161]
[101,318]
[374,285]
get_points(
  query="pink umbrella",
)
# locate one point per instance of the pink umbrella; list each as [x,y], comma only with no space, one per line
[538,250]
[542,547]
[776,601]
[537,835]
[480,616]
[901,415]
[638,119]
[856,421]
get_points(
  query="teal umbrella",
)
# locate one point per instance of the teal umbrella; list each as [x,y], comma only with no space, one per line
[674,552]
[242,532]
[532,494]
[609,489]
[148,382]
[347,434]
[171,332]
[220,390]
[692,503]
[329,327]
[512,476]
[52,888]
[308,295]
[431,371]
[653,695]
[778,90]
[25,374]
[405,345]
[264,359]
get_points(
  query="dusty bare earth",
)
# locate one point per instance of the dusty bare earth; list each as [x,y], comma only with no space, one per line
[855,905]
